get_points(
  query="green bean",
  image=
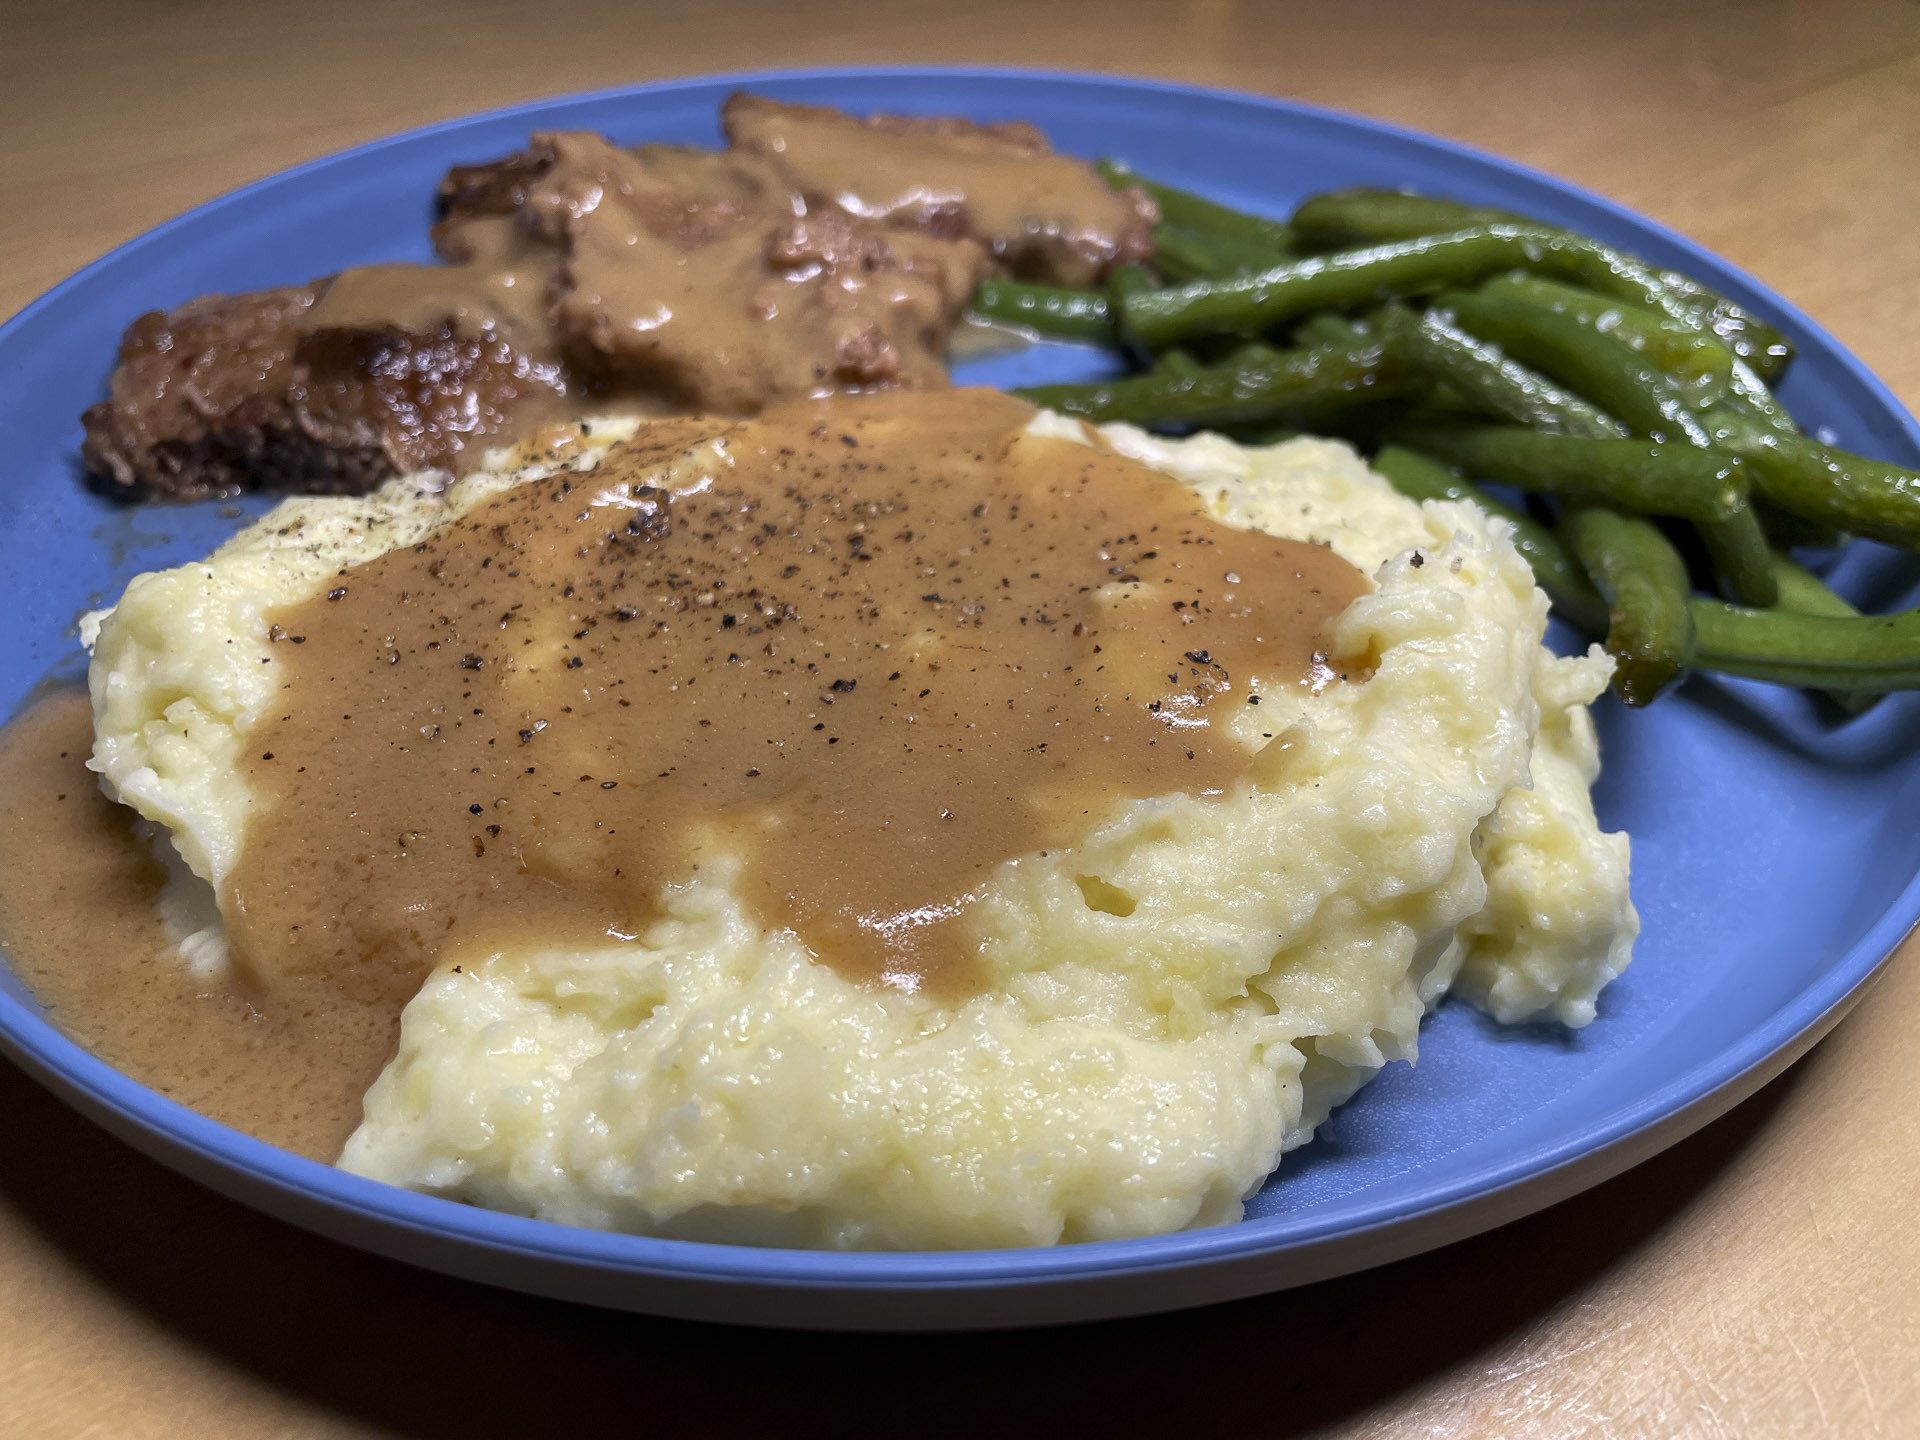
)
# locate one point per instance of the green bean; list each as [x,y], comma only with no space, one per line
[1822,483]
[1357,217]
[1790,532]
[1073,314]
[1279,383]
[1748,395]
[1420,477]
[1194,212]
[1750,339]
[1176,362]
[1180,257]
[1742,563]
[1497,384]
[1254,354]
[1126,280]
[1327,328]
[1802,592]
[1805,593]
[1866,653]
[1268,434]
[1699,362]
[1650,628]
[1613,375]
[1600,363]
[1183,254]
[1351,278]
[1638,475]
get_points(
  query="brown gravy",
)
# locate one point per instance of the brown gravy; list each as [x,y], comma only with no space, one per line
[874,647]
[79,892]
[1041,215]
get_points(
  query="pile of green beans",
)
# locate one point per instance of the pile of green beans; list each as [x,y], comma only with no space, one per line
[1462,345]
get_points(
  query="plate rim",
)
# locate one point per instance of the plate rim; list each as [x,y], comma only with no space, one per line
[1674,1110]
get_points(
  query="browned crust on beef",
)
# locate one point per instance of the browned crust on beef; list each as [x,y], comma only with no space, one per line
[1056,221]
[262,391]
[199,407]
[225,395]
[420,399]
[497,187]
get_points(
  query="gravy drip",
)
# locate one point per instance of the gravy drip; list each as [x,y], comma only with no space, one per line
[873,647]
[79,895]
[495,287]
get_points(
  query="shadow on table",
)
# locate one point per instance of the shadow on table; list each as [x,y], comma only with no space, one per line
[419,1355]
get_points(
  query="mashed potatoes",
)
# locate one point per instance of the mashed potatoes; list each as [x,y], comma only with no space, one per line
[1171,1003]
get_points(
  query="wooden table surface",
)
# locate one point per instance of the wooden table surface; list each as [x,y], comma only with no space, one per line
[1761,1279]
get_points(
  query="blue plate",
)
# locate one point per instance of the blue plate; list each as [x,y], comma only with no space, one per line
[1774,852]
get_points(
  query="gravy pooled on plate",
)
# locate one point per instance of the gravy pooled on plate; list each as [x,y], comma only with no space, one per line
[871,647]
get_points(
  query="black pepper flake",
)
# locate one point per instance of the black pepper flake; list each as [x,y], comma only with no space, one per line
[849,442]
[494,830]
[473,810]
[339,592]
[268,755]
[1418,560]
[727,622]
[471,662]
[754,771]
[575,663]
[821,726]
[1253,699]
[525,736]
[1199,657]
[844,686]
[608,784]
[298,639]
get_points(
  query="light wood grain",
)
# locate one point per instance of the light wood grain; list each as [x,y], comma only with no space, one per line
[1759,1280]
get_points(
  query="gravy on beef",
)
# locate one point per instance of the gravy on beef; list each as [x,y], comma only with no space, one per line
[804,259]
[1043,216]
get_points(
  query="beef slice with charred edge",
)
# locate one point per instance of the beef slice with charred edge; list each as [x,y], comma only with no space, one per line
[273,390]
[1041,215]
[233,393]
[200,406]
[730,304]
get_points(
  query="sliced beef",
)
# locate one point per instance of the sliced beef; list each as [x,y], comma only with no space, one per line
[243,392]
[804,259]
[200,406]
[331,388]
[730,304]
[497,187]
[421,400]
[1041,215]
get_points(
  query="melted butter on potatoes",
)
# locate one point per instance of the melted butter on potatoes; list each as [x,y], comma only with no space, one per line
[1161,1005]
